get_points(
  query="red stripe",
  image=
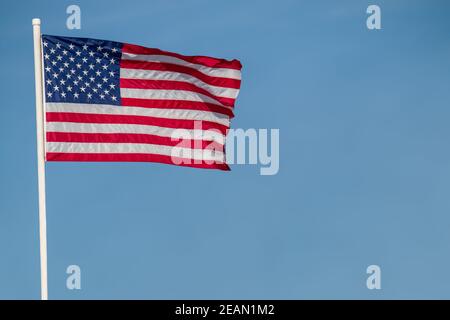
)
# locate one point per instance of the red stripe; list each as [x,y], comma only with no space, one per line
[162,66]
[176,104]
[172,85]
[130,157]
[131,138]
[205,61]
[131,119]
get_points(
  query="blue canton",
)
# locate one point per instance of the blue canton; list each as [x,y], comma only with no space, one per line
[78,70]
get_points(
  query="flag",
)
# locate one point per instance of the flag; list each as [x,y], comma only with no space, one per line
[112,101]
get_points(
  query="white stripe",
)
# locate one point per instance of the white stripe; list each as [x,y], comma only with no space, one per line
[196,154]
[167,95]
[177,76]
[213,72]
[182,114]
[207,135]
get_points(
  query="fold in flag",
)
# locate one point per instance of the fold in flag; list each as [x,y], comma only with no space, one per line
[112,101]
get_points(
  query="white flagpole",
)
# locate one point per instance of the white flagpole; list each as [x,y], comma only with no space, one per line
[40,155]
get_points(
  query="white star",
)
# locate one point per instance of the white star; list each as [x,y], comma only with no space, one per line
[68,76]
[99,85]
[61,69]
[106,92]
[84,60]
[72,59]
[95,90]
[78,66]
[49,94]
[49,82]
[99,48]
[75,82]
[102,96]
[47,69]
[114,50]
[63,94]
[72,71]
[47,56]
[112,61]
[55,75]
[105,79]
[87,84]
[85,72]
[69,88]
[111,73]
[66,64]
[98,73]
[85,47]
[71,46]
[59,58]
[112,86]
[91,66]
[58,45]
[56,88]
[63,82]
[83,89]
[54,63]
[91,53]
[89,95]
[52,50]
[106,54]
[65,52]
[92,79]
[98,60]
[76,95]
[45,44]
[105,67]
[114,98]
[78,53]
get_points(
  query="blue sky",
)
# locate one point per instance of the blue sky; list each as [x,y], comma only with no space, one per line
[364,159]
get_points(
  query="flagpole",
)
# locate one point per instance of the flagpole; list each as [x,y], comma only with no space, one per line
[40,155]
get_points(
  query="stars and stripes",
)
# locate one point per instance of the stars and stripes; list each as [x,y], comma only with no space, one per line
[111,101]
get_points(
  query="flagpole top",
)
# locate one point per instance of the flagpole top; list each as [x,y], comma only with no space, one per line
[36,22]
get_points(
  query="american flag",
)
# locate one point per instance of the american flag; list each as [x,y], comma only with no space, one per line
[112,101]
